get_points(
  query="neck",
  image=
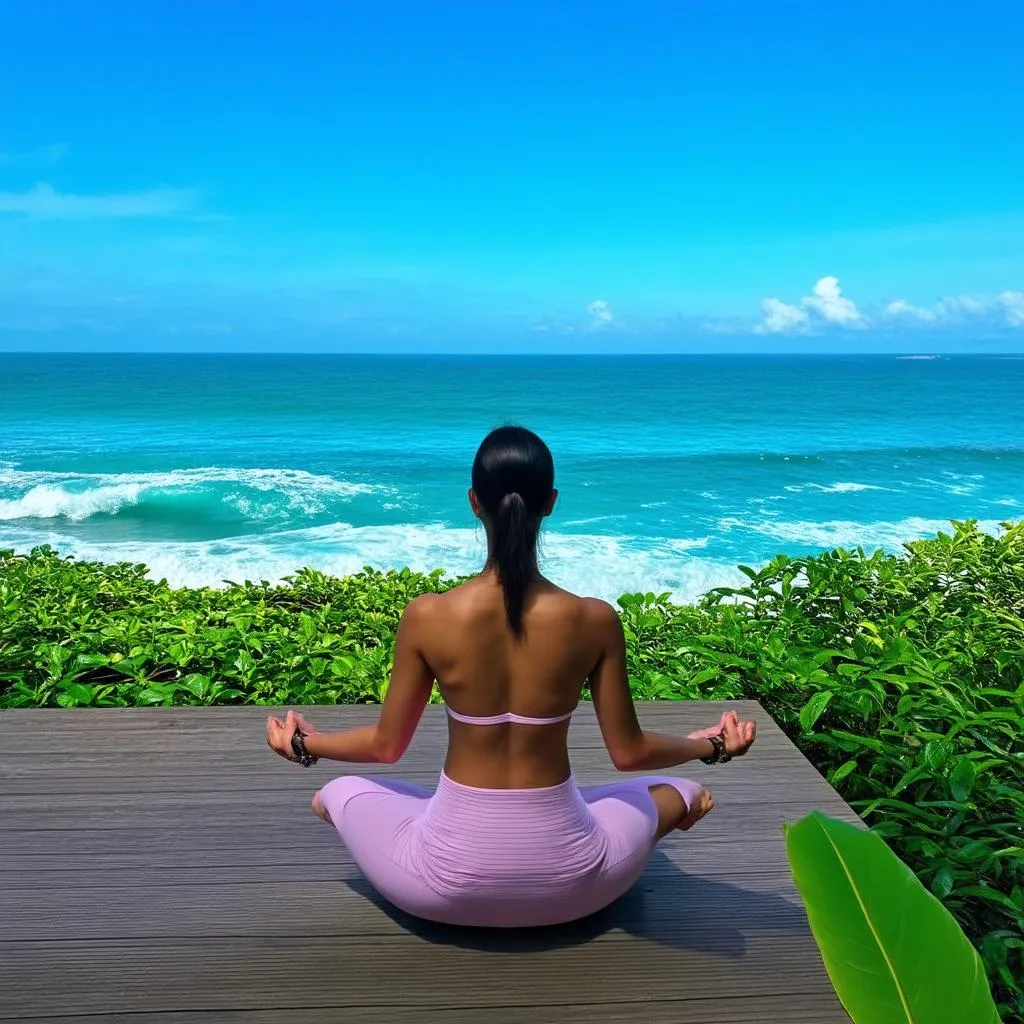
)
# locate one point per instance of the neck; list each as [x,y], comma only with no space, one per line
[490,566]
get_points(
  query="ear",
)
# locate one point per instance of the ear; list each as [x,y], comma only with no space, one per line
[549,507]
[474,504]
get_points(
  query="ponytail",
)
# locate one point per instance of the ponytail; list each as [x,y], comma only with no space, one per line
[513,481]
[514,551]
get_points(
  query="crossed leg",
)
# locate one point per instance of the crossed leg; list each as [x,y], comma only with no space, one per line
[673,810]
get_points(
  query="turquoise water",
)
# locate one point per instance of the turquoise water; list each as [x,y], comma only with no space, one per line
[671,470]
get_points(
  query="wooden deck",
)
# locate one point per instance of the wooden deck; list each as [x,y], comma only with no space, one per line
[163,865]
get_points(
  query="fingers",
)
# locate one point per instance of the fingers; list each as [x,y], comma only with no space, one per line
[295,719]
[745,735]
[279,734]
[274,728]
[738,735]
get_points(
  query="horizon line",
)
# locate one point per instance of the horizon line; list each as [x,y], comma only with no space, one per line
[912,355]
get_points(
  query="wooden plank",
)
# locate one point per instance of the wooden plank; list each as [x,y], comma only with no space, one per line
[268,973]
[181,908]
[164,864]
[156,866]
[723,1009]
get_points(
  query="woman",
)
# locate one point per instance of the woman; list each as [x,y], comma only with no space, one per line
[508,839]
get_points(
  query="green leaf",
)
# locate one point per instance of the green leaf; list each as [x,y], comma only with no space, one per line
[850,668]
[962,778]
[894,953]
[79,693]
[812,710]
[936,753]
[942,883]
[705,675]
[841,772]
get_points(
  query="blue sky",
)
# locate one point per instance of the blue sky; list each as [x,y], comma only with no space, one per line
[734,175]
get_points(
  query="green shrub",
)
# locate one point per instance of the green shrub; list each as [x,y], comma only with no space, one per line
[900,677]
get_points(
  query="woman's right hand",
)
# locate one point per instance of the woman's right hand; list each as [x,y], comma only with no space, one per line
[279,734]
[738,736]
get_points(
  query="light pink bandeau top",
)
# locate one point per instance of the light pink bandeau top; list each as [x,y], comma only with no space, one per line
[508,716]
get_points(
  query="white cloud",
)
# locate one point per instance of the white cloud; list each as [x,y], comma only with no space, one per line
[902,308]
[46,203]
[832,306]
[1013,304]
[960,304]
[600,314]
[780,317]
[826,303]
[958,308]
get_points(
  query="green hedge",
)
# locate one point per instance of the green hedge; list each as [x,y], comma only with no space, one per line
[900,677]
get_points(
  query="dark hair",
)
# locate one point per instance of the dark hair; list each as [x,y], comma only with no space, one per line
[513,477]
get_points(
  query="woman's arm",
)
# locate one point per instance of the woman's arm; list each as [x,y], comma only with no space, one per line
[387,739]
[633,749]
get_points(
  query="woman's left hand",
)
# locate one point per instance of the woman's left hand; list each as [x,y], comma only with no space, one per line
[279,734]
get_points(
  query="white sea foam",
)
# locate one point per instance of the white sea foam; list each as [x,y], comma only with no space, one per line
[847,488]
[845,533]
[590,520]
[601,565]
[52,501]
[954,483]
[837,488]
[77,496]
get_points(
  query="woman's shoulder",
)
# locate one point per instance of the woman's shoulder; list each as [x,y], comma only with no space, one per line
[475,596]
[441,603]
[592,607]
[591,614]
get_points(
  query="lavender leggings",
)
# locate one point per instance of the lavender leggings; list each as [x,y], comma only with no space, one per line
[501,858]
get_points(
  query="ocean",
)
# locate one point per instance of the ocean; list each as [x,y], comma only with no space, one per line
[671,470]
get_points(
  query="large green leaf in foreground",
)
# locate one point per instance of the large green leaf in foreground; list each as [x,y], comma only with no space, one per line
[893,951]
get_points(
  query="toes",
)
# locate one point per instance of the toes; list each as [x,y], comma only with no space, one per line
[318,807]
[702,805]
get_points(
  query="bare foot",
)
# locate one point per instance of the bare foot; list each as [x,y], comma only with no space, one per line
[318,808]
[703,804]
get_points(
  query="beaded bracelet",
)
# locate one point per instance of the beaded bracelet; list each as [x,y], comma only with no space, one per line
[720,755]
[301,754]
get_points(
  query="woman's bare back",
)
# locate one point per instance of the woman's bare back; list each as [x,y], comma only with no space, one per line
[482,669]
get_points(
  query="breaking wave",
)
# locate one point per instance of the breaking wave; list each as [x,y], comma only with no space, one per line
[260,494]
